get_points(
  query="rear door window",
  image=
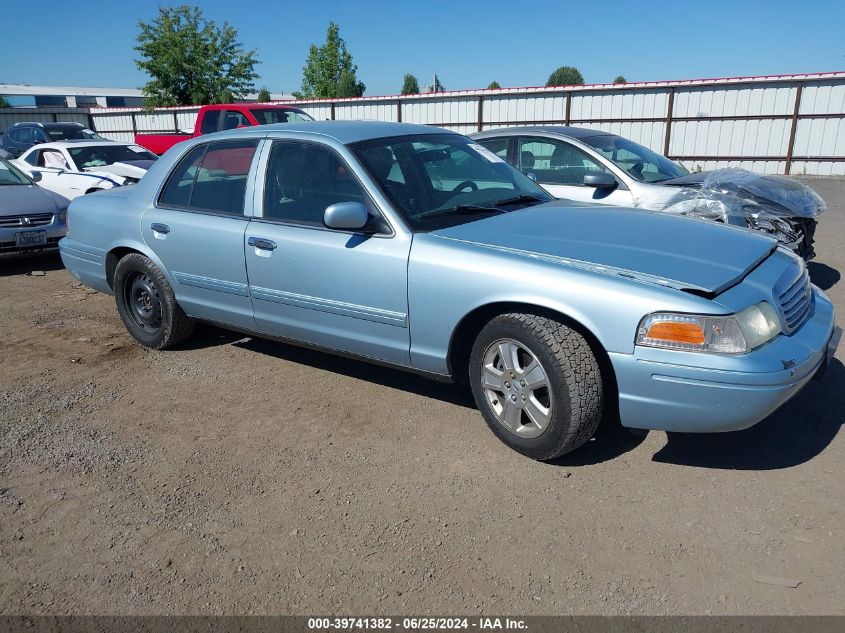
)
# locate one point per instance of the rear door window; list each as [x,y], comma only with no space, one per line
[211,177]
[210,120]
[499,146]
[22,135]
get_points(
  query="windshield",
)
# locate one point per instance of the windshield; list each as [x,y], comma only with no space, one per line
[637,161]
[100,155]
[10,175]
[266,116]
[443,179]
[72,133]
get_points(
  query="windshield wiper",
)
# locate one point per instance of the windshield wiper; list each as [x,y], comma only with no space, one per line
[461,209]
[525,197]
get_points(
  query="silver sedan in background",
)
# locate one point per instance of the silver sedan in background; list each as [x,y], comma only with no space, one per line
[31,218]
[594,166]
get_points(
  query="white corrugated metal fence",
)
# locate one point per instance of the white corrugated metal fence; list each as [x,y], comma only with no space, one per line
[783,124]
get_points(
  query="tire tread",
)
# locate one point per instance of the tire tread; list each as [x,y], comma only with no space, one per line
[581,373]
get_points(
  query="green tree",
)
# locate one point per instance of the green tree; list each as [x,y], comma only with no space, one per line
[190,60]
[347,85]
[410,86]
[620,80]
[325,68]
[493,85]
[263,95]
[565,76]
[3,103]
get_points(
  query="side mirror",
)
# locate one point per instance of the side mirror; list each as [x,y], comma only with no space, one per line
[532,176]
[346,216]
[35,176]
[600,180]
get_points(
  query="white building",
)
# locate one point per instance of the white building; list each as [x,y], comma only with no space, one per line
[26,96]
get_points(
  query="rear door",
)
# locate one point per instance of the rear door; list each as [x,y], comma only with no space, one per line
[344,290]
[197,227]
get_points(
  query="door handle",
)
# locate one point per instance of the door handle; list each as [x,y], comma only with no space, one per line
[160,228]
[263,244]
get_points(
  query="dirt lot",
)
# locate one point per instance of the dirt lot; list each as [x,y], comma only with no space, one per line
[237,475]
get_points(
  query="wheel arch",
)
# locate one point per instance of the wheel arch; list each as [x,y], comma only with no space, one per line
[464,335]
[118,251]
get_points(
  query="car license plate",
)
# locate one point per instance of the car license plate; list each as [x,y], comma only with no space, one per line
[30,238]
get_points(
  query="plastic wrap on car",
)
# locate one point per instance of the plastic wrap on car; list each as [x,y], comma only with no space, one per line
[732,195]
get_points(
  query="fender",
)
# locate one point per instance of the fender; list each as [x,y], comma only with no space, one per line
[146,251]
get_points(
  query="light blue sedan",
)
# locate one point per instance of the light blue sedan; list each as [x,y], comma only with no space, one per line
[417,248]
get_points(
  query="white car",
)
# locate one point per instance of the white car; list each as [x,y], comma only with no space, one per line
[74,168]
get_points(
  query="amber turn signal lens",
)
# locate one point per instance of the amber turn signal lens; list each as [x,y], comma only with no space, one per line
[677,332]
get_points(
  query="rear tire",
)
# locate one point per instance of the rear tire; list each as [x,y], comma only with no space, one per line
[147,305]
[537,383]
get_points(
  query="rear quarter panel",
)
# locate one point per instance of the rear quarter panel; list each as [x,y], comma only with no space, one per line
[101,222]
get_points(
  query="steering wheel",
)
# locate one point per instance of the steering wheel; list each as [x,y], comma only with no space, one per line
[466,183]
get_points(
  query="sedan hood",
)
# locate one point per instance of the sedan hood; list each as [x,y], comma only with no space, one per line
[672,251]
[18,199]
[130,169]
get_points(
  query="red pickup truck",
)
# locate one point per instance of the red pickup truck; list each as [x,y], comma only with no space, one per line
[226,116]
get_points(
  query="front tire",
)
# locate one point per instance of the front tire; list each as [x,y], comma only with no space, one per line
[147,305]
[537,383]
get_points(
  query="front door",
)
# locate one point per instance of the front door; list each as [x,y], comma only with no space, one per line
[560,168]
[197,227]
[342,290]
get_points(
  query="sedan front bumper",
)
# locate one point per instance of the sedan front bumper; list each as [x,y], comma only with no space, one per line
[702,393]
[54,231]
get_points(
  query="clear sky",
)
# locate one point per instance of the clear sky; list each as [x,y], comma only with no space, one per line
[468,43]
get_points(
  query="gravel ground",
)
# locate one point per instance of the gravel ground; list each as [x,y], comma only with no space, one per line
[236,475]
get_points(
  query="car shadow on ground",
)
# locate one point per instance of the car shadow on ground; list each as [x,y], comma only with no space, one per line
[823,275]
[25,264]
[792,435]
[612,440]
[207,336]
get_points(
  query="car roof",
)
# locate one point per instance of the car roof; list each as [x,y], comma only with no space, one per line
[76,143]
[249,105]
[45,125]
[342,131]
[556,130]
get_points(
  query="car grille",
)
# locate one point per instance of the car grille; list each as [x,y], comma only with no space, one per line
[795,296]
[25,220]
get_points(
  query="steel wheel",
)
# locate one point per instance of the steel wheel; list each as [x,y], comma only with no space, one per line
[516,386]
[144,303]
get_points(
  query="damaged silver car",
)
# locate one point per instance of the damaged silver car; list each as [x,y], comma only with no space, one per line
[595,166]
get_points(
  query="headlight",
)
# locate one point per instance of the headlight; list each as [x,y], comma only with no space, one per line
[732,334]
[62,216]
